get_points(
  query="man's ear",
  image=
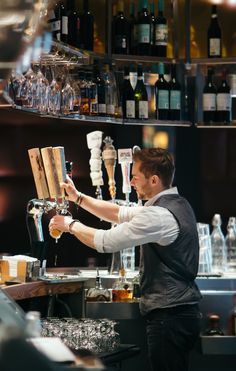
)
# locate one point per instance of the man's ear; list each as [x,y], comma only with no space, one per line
[155,179]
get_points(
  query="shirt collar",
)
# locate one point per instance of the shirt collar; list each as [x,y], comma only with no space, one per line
[169,191]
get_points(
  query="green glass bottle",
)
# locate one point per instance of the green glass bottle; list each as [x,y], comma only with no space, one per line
[141,97]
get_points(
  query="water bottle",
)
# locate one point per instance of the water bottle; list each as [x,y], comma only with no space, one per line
[128,259]
[230,241]
[218,246]
[33,325]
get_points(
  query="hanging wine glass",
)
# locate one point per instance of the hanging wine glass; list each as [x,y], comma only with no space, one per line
[54,94]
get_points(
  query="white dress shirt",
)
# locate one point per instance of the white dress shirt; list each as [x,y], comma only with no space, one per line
[139,225]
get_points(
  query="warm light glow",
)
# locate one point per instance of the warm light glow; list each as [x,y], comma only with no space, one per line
[161,139]
[231,2]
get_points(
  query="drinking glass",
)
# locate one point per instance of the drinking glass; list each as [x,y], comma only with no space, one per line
[205,251]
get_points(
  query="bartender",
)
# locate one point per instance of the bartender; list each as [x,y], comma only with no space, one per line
[165,227]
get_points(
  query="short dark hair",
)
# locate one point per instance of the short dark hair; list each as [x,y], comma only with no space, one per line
[156,161]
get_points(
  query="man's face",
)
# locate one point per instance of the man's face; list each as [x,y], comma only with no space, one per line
[143,186]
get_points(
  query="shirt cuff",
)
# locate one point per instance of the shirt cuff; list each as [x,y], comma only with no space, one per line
[98,240]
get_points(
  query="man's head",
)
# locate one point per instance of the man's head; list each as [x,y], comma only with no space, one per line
[152,172]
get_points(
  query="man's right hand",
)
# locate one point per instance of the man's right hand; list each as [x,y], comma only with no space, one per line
[70,189]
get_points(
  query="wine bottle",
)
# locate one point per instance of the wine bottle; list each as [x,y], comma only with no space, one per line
[141,97]
[101,96]
[160,32]
[175,95]
[143,30]
[152,29]
[128,102]
[209,99]
[121,30]
[223,102]
[162,95]
[64,24]
[54,21]
[111,96]
[73,37]
[214,35]
[87,27]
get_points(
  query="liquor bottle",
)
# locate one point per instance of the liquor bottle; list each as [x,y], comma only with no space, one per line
[218,246]
[98,80]
[175,95]
[162,95]
[84,92]
[232,318]
[55,21]
[73,37]
[98,293]
[143,30]
[111,97]
[141,97]
[121,29]
[64,24]
[161,32]
[122,289]
[152,29]
[214,35]
[230,241]
[127,93]
[136,287]
[87,27]
[223,102]
[92,90]
[209,99]
[214,328]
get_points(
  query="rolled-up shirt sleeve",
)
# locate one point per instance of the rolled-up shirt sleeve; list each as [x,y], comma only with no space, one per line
[139,225]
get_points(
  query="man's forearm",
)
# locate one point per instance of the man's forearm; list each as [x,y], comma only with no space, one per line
[83,233]
[104,210]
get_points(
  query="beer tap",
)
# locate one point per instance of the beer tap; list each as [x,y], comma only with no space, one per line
[48,167]
[94,142]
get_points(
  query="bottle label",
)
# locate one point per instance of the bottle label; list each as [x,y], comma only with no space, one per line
[161,34]
[130,109]
[223,102]
[209,102]
[144,33]
[214,47]
[110,109]
[64,26]
[121,41]
[143,109]
[102,108]
[175,99]
[163,99]
[56,26]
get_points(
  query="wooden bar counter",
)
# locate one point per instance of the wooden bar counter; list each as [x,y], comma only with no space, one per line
[40,288]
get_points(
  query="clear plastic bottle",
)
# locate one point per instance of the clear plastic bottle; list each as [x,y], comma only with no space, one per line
[219,262]
[33,327]
[230,241]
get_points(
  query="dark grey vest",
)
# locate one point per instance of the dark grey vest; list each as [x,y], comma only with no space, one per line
[168,272]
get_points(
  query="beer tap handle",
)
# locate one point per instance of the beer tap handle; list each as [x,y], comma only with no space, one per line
[109,157]
[94,142]
[125,159]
